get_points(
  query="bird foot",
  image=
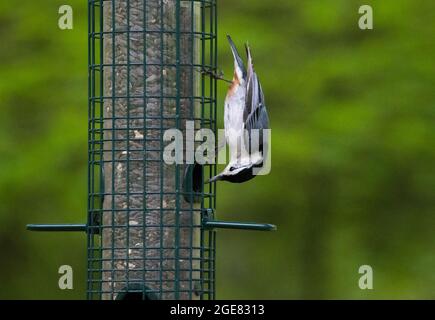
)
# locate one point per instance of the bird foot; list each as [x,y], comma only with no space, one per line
[216,75]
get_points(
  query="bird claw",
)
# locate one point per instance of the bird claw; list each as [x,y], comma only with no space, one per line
[216,75]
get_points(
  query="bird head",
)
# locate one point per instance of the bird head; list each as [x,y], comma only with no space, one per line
[235,174]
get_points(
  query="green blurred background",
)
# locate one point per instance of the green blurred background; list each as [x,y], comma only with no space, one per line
[353,150]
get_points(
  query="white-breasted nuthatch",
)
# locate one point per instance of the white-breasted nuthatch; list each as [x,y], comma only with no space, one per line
[245,112]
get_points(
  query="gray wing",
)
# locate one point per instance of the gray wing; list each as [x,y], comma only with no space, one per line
[255,114]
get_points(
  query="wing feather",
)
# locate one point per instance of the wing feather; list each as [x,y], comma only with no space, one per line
[255,113]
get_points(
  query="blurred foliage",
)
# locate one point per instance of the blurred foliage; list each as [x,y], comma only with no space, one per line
[353,152]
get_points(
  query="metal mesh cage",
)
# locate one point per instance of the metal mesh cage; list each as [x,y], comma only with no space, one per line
[148,64]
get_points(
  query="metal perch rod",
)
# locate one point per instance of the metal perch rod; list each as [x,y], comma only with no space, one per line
[209,224]
[57,227]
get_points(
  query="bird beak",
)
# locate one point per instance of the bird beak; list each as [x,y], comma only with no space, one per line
[237,60]
[215,178]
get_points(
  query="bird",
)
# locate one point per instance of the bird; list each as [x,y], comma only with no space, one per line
[245,112]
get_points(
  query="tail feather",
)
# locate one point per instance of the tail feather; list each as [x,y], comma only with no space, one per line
[250,65]
[238,62]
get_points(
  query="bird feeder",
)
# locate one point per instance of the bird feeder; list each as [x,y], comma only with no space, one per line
[150,225]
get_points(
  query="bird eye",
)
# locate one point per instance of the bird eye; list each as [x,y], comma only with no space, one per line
[232,168]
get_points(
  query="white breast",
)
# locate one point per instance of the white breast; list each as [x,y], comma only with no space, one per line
[233,122]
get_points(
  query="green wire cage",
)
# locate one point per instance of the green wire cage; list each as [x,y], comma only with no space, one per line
[150,227]
[146,66]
